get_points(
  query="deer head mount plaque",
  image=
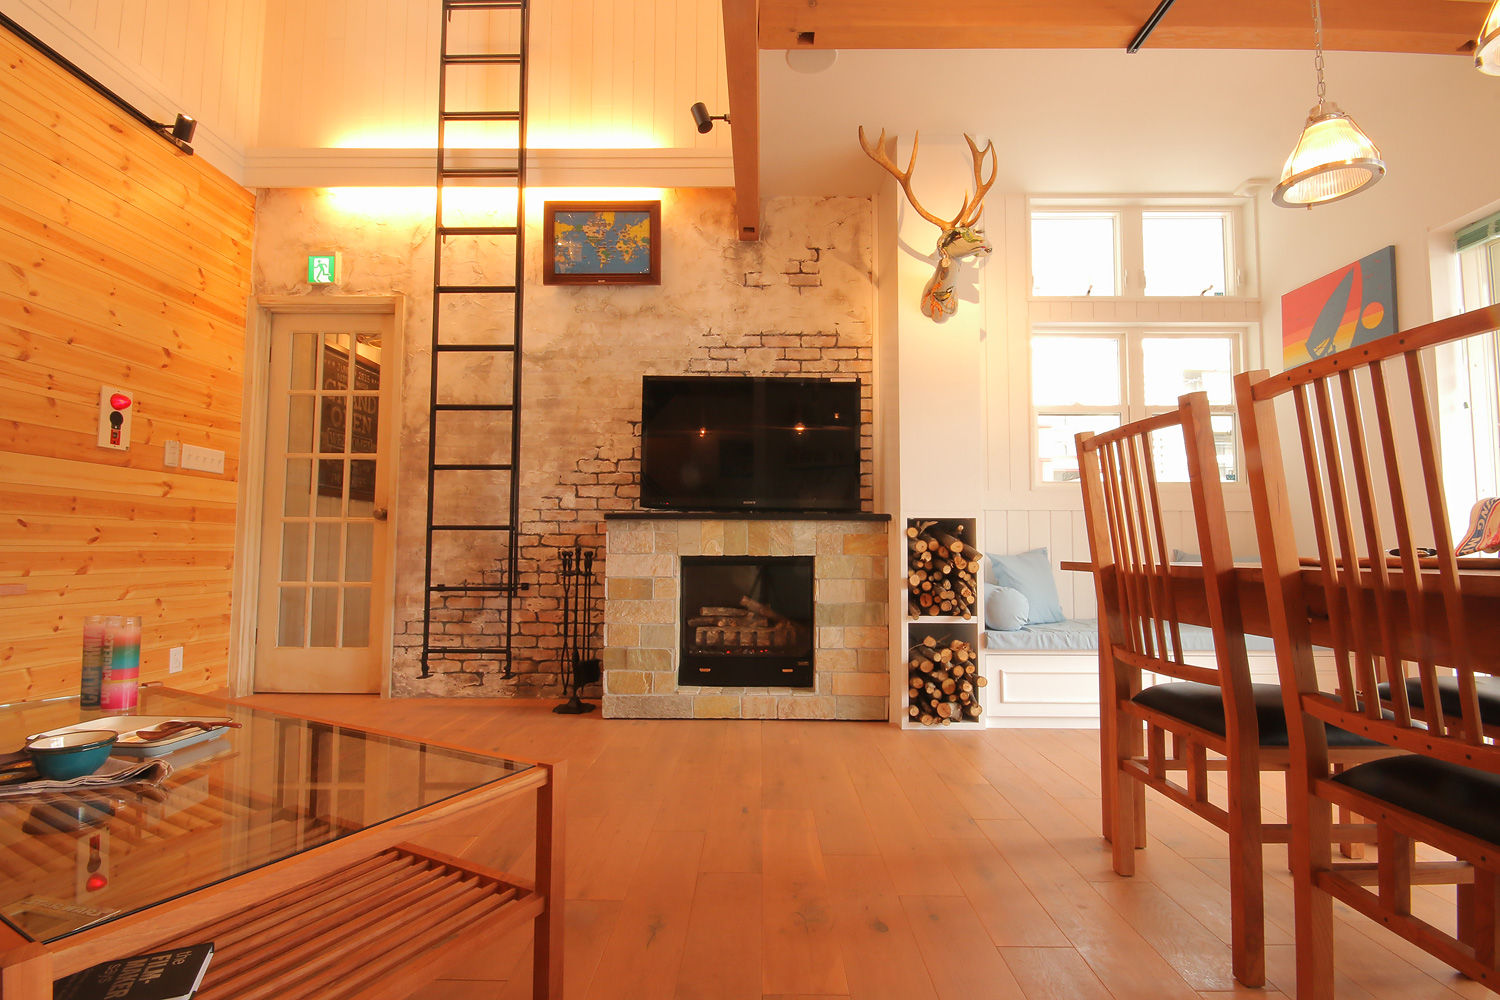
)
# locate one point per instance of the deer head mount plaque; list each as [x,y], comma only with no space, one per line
[959,237]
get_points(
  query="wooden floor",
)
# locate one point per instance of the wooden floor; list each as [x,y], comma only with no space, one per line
[820,860]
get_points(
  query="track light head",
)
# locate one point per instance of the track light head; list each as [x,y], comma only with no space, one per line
[705,121]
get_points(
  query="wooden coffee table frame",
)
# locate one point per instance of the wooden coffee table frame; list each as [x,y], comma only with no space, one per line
[417,908]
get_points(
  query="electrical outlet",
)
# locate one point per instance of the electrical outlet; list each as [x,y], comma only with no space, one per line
[171,454]
[174,660]
[202,459]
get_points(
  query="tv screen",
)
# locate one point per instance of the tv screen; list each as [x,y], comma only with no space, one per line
[724,442]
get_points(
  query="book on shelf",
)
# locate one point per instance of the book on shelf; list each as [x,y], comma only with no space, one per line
[161,975]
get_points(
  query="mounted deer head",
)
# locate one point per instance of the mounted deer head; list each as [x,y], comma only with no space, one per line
[960,236]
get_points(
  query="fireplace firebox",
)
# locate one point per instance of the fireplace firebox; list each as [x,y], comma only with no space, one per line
[747,621]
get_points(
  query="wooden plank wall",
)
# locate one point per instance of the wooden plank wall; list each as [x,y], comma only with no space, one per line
[122,263]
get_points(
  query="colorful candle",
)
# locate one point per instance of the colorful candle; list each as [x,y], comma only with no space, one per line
[122,662]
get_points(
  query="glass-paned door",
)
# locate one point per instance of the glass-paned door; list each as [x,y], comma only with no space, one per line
[322,606]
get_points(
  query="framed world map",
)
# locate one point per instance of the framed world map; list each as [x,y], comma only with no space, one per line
[601,243]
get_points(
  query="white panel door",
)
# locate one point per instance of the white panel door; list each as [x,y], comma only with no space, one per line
[328,449]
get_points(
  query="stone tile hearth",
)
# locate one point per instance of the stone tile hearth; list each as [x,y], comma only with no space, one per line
[851,672]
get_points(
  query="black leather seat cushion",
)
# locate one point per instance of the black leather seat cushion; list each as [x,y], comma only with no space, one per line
[1457,797]
[1488,689]
[1202,705]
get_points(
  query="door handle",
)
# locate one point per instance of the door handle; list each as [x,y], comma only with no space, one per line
[380,513]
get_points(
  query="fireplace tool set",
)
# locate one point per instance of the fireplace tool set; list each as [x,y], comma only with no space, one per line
[578,667]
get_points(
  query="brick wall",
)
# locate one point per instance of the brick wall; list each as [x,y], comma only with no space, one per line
[798,302]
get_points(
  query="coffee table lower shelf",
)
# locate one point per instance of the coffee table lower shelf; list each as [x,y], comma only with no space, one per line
[378,928]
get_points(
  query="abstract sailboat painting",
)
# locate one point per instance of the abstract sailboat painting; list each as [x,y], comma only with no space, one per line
[1353,305]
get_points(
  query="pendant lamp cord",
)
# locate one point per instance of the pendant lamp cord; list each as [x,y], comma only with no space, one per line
[1317,10]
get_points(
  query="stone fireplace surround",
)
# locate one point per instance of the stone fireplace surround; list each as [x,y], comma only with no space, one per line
[851,672]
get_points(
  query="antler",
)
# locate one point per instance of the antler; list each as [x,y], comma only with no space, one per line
[968,212]
[981,187]
[878,154]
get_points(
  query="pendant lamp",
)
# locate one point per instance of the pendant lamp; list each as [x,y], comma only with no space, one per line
[1333,159]
[1487,52]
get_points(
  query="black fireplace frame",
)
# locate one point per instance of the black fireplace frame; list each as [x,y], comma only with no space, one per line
[700,668]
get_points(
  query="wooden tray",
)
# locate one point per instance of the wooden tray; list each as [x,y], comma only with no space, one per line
[131,745]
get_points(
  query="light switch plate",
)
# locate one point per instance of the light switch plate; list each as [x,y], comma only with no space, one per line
[202,459]
[174,660]
[171,454]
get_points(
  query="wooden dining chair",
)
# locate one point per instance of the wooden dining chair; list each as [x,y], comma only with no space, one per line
[1204,717]
[1361,476]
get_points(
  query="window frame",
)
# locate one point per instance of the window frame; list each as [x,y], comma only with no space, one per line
[1240,277]
[1132,405]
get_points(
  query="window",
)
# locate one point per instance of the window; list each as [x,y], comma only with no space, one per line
[1093,380]
[1131,251]
[1074,253]
[1185,253]
[1475,378]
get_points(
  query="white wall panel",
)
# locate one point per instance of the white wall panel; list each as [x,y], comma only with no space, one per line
[200,57]
[604,73]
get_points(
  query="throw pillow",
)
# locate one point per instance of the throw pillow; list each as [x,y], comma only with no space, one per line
[1031,574]
[1005,608]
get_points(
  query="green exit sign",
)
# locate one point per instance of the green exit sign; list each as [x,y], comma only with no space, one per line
[322,268]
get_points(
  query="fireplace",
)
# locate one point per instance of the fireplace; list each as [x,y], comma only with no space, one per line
[747,621]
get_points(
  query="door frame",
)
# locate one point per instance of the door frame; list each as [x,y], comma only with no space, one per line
[244,609]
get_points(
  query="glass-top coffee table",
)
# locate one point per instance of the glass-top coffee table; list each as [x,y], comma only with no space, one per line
[285,841]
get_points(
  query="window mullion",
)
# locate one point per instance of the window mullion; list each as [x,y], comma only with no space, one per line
[1131,252]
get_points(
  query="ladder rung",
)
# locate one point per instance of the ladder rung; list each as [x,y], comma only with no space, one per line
[480,116]
[474,289]
[473,467]
[478,231]
[497,173]
[476,407]
[492,173]
[476,348]
[483,58]
[483,4]
[471,527]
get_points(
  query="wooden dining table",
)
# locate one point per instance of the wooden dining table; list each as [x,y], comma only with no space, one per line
[1479,582]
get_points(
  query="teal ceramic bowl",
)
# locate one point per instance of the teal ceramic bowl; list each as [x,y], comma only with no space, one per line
[71,755]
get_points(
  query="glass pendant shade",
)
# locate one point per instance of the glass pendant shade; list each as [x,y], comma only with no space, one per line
[1487,52]
[1333,159]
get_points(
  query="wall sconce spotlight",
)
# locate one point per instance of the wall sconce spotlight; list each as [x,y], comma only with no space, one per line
[180,132]
[704,120]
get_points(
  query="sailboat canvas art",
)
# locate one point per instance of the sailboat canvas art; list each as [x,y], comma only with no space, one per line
[1353,305]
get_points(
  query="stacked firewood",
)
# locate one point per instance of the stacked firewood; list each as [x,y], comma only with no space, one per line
[751,626]
[943,682]
[942,571]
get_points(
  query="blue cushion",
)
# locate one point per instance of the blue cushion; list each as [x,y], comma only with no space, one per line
[1005,608]
[1031,574]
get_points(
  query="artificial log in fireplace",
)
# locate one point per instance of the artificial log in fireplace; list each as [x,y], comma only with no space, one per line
[747,621]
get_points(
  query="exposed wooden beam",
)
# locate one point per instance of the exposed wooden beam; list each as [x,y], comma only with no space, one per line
[742,66]
[1432,26]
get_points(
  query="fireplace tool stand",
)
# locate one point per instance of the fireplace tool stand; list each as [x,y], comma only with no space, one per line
[578,603]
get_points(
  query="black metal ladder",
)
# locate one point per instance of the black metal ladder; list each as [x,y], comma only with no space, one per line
[473,436]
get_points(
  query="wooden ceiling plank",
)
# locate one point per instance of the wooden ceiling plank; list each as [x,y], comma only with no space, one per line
[742,66]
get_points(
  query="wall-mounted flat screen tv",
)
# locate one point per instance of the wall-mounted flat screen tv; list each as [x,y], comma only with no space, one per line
[724,442]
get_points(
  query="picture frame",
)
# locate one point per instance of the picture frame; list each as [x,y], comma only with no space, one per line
[601,243]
